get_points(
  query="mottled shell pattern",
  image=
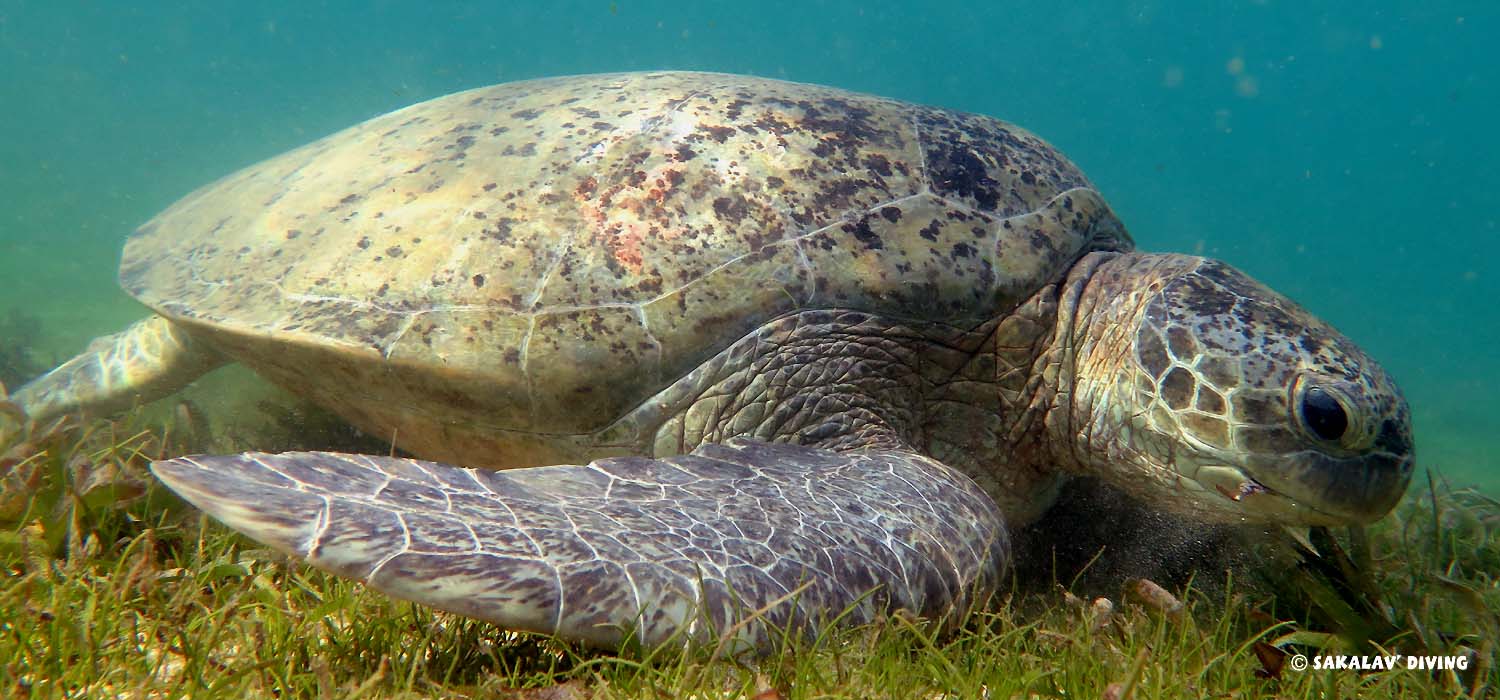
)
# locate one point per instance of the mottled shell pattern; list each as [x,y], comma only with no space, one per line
[544,256]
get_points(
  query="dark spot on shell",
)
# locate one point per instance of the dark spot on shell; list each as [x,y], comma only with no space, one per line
[958,171]
[891,214]
[586,188]
[685,153]
[394,251]
[930,231]
[731,210]
[292,233]
[962,250]
[864,234]
[838,194]
[489,186]
[502,230]
[478,280]
[526,114]
[363,243]
[719,134]
[479,215]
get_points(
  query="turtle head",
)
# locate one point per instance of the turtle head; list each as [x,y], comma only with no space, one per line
[1202,390]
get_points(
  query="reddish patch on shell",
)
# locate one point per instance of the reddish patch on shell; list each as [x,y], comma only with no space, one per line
[623,214]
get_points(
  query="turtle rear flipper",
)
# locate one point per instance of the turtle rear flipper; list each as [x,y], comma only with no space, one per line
[649,551]
[151,359]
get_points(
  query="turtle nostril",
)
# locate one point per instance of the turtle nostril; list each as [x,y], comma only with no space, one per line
[1323,414]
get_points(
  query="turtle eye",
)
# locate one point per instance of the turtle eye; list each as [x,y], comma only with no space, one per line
[1323,414]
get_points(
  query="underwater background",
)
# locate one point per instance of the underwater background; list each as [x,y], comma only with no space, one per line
[1345,153]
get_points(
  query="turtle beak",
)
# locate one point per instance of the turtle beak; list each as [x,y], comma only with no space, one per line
[1230,492]
[1247,488]
[1346,489]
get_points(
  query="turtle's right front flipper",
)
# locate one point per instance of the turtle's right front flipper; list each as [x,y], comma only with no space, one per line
[147,361]
[673,550]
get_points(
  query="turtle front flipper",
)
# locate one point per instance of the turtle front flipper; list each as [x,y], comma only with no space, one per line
[147,361]
[677,550]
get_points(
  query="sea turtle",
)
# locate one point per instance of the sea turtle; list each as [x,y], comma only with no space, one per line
[815,351]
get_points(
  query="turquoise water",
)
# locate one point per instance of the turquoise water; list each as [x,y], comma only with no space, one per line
[1344,152]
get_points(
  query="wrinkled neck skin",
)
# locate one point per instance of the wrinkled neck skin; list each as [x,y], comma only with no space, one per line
[1098,314]
[1021,458]
[1057,362]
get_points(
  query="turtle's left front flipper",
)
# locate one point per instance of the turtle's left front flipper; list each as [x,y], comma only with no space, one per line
[667,550]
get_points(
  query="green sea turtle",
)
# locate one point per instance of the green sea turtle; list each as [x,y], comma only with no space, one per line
[815,350]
